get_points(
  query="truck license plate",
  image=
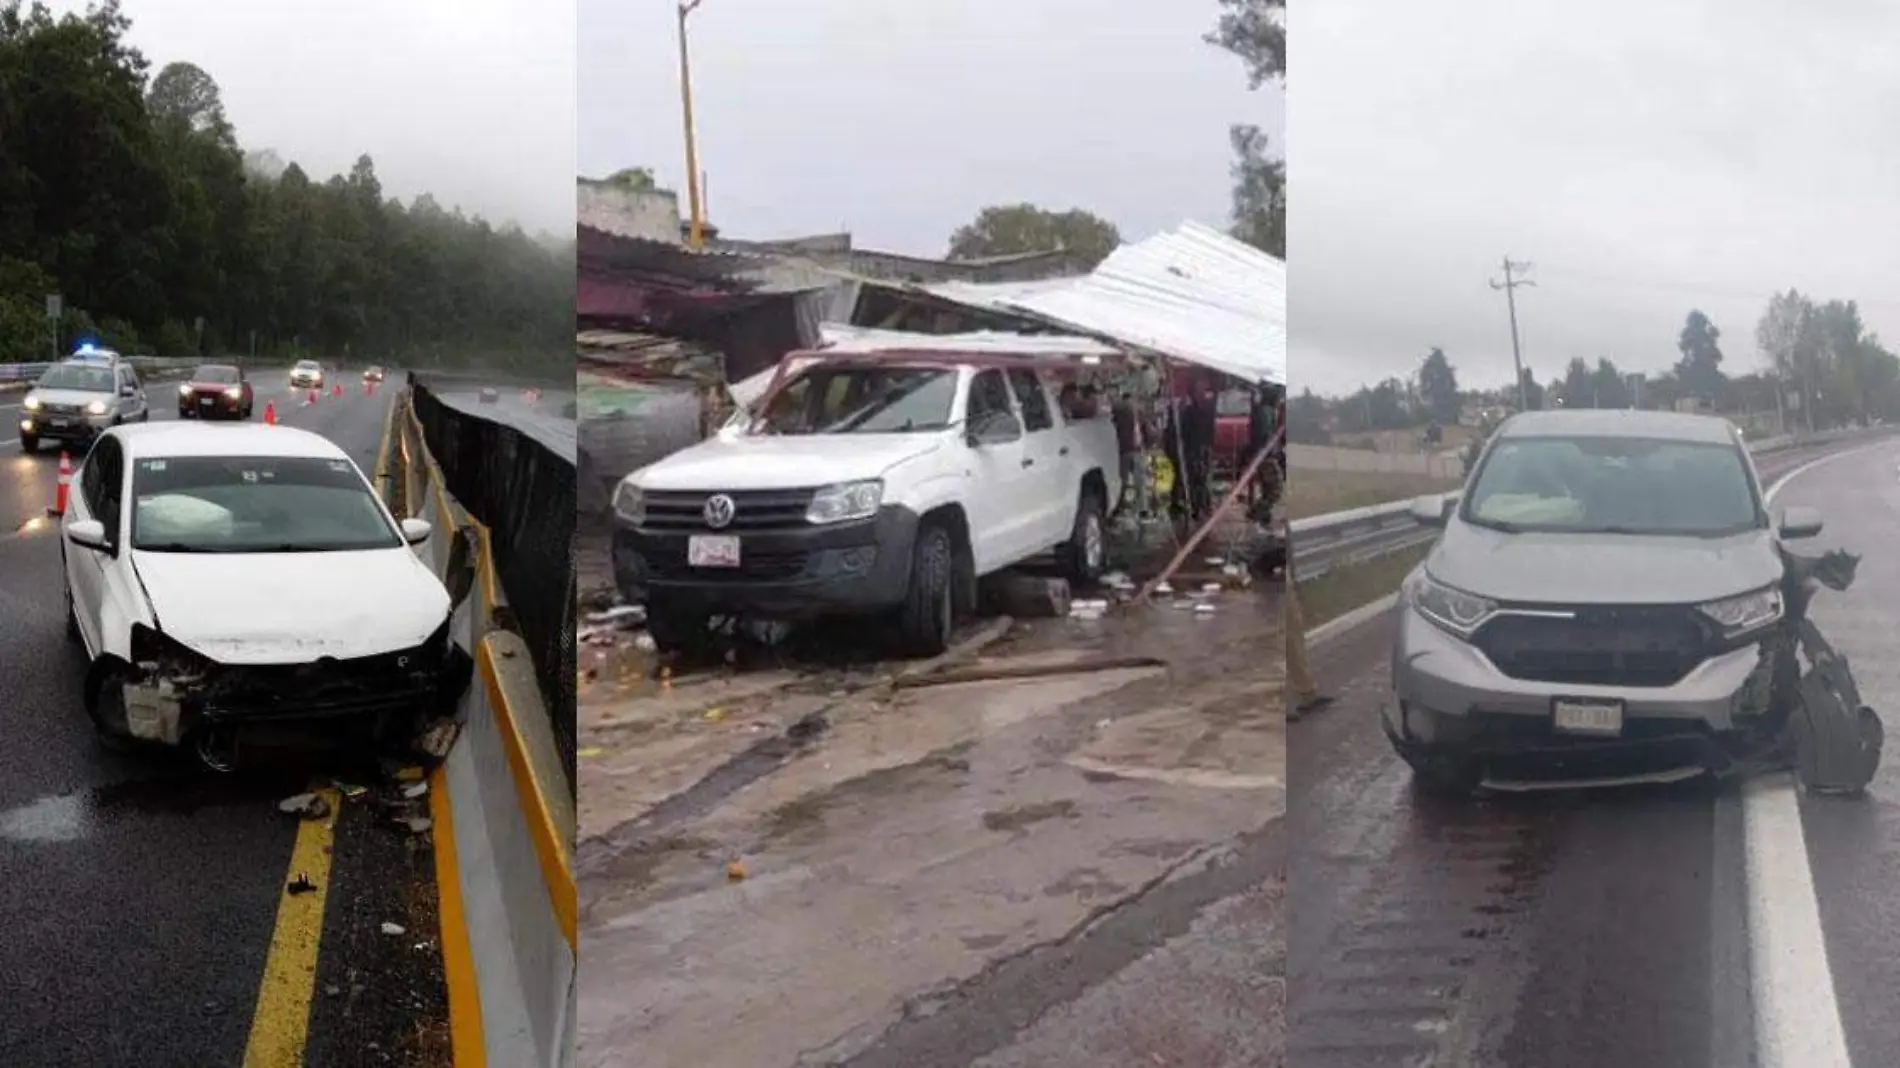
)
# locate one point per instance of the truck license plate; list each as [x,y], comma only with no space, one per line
[712,550]
[1587,717]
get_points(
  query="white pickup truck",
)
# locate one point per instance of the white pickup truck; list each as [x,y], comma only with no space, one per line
[867,487]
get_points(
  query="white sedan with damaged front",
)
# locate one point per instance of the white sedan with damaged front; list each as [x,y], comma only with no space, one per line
[227,580]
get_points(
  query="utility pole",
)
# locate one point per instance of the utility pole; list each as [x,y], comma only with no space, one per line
[1509,285]
[697,235]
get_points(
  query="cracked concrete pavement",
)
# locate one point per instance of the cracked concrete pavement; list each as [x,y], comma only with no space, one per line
[1082,868]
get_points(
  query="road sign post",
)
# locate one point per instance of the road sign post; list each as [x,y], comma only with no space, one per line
[53,307]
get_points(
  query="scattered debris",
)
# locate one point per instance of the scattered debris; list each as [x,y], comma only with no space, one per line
[439,738]
[415,789]
[588,752]
[735,871]
[808,726]
[714,715]
[308,806]
[350,791]
[394,929]
[417,824]
[410,773]
[301,885]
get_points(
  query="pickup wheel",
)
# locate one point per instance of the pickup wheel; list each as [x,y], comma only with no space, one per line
[925,621]
[1083,555]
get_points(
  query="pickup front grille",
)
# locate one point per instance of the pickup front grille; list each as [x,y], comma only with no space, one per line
[753,510]
[1601,646]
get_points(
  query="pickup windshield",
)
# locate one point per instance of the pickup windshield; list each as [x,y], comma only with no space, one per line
[863,400]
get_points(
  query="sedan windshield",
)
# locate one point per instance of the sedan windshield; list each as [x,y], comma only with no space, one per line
[255,504]
[864,400]
[87,378]
[1614,485]
[212,372]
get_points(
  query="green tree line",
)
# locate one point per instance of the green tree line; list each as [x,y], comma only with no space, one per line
[1825,369]
[129,195]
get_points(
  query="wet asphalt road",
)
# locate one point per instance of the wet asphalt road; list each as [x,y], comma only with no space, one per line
[1573,929]
[138,895]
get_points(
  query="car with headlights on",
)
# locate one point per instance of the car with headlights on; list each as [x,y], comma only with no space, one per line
[307,374]
[215,391]
[227,581]
[373,374]
[76,399]
[1603,606]
[867,486]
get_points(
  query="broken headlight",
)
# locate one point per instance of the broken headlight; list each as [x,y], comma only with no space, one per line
[630,504]
[1450,608]
[1744,613]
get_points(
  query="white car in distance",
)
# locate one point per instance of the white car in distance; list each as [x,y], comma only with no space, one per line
[226,578]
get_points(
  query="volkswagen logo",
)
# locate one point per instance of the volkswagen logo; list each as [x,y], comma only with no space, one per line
[719,509]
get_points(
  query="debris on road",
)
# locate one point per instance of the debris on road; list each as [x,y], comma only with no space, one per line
[394,929]
[300,885]
[309,806]
[735,870]
[413,790]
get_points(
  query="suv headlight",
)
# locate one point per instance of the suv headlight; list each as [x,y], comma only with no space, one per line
[1452,609]
[1744,612]
[846,501]
[630,504]
[31,403]
[96,408]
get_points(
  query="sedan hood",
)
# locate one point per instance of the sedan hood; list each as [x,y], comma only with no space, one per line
[1616,569]
[292,608]
[783,461]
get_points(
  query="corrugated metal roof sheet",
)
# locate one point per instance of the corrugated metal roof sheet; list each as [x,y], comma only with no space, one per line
[1193,293]
[841,338]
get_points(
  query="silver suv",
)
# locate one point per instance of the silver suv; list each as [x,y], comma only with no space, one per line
[77,398]
[1603,606]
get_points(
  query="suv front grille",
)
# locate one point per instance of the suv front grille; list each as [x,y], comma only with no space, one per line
[753,510]
[1601,646]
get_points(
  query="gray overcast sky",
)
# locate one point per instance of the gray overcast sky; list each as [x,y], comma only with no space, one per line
[900,121]
[1646,157]
[471,100]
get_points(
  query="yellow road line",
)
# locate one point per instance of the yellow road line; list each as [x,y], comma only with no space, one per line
[557,866]
[458,959]
[382,454]
[280,1026]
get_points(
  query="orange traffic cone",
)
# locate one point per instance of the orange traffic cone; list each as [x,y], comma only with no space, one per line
[270,413]
[338,391]
[65,484]
[312,399]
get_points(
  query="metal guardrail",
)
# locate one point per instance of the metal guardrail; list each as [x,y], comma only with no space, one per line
[504,819]
[1325,543]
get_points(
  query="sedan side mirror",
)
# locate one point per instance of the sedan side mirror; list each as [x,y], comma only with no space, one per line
[1799,522]
[88,534]
[416,531]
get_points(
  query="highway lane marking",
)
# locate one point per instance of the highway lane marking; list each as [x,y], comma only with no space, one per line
[1797,1015]
[280,1026]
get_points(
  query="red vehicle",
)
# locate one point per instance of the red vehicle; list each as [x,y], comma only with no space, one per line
[215,391]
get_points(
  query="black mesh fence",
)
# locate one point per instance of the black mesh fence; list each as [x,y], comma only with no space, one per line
[524,492]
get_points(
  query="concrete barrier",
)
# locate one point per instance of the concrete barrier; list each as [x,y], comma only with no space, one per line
[504,820]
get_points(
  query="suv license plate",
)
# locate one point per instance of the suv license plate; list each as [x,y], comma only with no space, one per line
[1587,717]
[712,550]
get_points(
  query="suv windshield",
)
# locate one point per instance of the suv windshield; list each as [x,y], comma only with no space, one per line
[89,378]
[863,400]
[1614,486]
[254,504]
[307,365]
[212,372]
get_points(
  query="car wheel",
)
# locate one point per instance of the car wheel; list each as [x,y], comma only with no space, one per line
[928,615]
[29,443]
[678,632]
[184,412]
[106,706]
[1085,554]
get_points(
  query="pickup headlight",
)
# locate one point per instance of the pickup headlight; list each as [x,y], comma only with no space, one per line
[31,403]
[630,504]
[846,501]
[1452,609]
[1745,612]
[96,408]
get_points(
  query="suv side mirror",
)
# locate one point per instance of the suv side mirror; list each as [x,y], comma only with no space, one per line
[1799,522]
[1430,511]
